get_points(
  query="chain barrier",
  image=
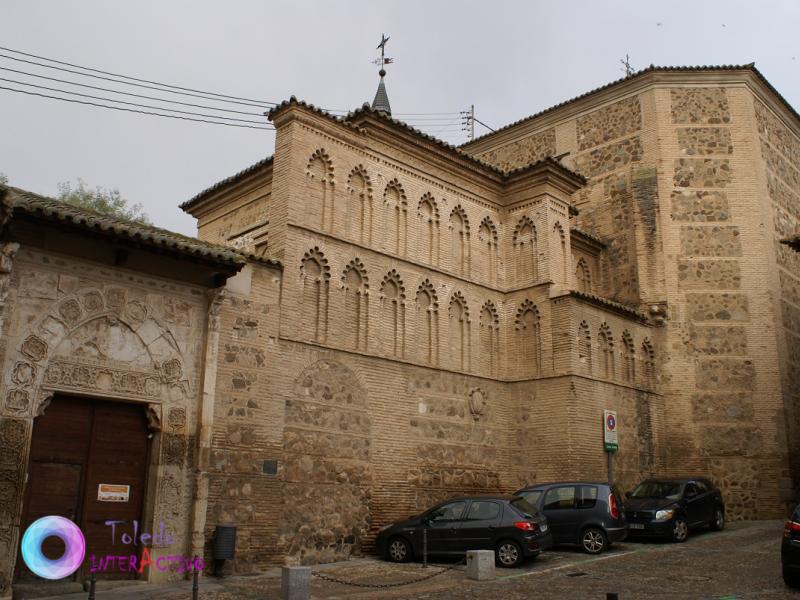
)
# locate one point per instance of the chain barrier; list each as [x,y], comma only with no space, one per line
[388,585]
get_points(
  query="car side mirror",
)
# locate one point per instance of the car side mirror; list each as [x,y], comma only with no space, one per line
[628,495]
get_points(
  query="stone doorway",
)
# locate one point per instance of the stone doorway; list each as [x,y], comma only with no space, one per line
[88,463]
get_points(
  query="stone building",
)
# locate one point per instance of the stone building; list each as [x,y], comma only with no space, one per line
[372,320]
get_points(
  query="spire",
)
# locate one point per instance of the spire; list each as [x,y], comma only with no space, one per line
[381,101]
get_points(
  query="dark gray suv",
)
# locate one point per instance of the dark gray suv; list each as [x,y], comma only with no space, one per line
[587,513]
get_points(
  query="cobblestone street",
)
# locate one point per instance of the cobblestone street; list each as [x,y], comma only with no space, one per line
[741,562]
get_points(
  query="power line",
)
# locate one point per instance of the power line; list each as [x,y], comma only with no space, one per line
[129,77]
[133,110]
[185,112]
[150,87]
[102,89]
[223,98]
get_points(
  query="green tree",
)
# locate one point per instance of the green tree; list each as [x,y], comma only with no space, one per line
[3,179]
[101,200]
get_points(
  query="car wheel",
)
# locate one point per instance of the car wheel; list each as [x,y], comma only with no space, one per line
[790,578]
[680,530]
[508,553]
[593,540]
[399,550]
[718,524]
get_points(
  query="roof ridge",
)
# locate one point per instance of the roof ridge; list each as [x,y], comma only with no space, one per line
[751,66]
[37,204]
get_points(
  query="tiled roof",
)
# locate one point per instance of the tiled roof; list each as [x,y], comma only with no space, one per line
[22,201]
[232,179]
[638,74]
[588,236]
[347,121]
[616,306]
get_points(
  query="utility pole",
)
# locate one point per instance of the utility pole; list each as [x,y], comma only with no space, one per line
[468,121]
[627,67]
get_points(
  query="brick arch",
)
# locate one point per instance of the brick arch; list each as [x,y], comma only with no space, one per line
[326,173]
[33,368]
[358,211]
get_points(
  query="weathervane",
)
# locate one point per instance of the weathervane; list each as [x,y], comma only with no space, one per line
[382,60]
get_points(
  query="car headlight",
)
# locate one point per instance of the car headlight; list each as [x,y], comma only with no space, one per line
[385,527]
[665,515]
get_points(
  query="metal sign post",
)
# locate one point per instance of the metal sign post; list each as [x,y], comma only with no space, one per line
[610,440]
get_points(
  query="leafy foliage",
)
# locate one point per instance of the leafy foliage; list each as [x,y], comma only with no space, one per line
[101,200]
[3,179]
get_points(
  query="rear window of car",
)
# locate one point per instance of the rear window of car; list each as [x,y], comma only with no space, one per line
[483,510]
[587,496]
[523,507]
[560,498]
[531,496]
[796,515]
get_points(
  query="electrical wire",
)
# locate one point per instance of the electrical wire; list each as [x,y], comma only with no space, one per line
[102,89]
[129,77]
[133,110]
[150,87]
[185,112]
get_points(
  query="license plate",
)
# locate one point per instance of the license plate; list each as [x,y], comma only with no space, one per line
[543,527]
[636,525]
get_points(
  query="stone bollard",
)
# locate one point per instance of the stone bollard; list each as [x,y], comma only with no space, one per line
[480,565]
[295,583]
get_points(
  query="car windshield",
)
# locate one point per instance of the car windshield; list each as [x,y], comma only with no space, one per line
[669,490]
[525,508]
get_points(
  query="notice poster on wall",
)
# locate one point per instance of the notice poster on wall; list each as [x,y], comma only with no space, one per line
[112,492]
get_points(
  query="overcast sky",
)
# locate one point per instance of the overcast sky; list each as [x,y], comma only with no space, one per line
[508,58]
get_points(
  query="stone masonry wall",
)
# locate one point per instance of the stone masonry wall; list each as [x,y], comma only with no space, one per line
[780,151]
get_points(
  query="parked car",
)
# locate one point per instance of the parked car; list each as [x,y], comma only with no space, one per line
[506,524]
[587,513]
[790,550]
[669,508]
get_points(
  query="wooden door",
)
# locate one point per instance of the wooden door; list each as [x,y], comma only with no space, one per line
[77,445]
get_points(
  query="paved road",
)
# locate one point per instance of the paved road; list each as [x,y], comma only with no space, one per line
[739,563]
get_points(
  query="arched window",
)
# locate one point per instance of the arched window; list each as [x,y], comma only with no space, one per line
[605,343]
[560,268]
[395,210]
[458,329]
[649,363]
[529,344]
[393,315]
[358,217]
[585,347]
[355,325]
[459,241]
[487,236]
[428,213]
[428,323]
[628,358]
[319,191]
[315,275]
[489,338]
[525,252]
[583,276]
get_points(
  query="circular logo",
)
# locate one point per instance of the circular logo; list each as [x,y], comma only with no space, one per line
[611,422]
[74,547]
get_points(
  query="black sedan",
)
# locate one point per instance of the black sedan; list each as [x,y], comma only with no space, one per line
[670,507]
[790,550]
[506,524]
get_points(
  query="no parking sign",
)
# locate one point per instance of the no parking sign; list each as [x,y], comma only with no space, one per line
[610,430]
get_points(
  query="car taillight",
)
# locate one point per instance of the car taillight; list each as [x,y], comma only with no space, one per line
[525,525]
[790,528]
[612,507]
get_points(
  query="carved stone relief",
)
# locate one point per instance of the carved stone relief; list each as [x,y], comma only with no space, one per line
[477,402]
